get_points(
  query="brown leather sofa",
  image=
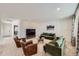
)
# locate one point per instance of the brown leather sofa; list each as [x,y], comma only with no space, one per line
[17,42]
[29,48]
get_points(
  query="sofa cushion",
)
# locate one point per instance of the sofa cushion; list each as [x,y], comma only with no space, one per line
[54,43]
[60,41]
[49,36]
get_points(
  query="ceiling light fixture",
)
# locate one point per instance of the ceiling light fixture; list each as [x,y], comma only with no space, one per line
[58,9]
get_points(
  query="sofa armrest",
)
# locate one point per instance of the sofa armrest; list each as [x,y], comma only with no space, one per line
[31,46]
[29,42]
[26,43]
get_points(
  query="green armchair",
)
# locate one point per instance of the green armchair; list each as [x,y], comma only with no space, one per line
[55,48]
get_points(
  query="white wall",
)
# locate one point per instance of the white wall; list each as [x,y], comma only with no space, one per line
[6,29]
[63,27]
[27,25]
[0,29]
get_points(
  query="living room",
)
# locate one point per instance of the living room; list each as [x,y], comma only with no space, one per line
[17,19]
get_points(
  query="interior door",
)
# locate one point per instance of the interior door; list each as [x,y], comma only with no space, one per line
[7,30]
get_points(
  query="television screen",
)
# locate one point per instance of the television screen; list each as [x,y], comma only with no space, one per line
[30,31]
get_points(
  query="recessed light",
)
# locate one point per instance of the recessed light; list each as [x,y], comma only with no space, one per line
[58,9]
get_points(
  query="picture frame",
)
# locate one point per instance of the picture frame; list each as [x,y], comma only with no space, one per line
[15,29]
[50,27]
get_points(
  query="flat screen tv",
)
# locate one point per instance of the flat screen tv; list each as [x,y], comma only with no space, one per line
[30,33]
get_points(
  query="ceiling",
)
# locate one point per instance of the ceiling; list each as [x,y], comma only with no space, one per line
[44,11]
